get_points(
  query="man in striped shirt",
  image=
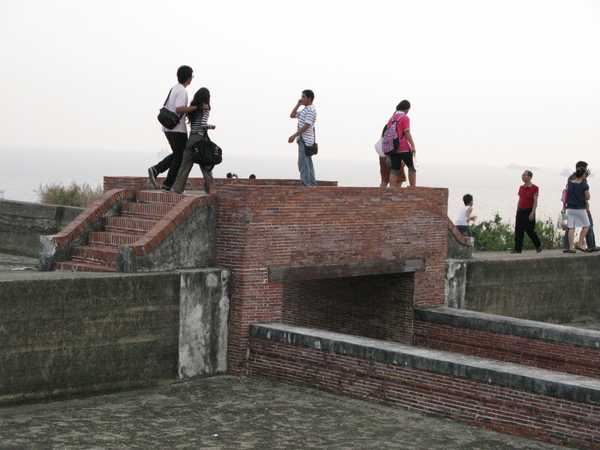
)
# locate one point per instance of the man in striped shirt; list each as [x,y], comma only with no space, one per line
[305,135]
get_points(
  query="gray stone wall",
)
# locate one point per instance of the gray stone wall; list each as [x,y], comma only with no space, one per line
[204,327]
[72,334]
[22,223]
[557,289]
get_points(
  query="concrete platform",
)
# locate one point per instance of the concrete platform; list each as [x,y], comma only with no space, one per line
[530,254]
[237,413]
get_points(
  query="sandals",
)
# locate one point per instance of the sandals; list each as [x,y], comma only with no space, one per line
[580,248]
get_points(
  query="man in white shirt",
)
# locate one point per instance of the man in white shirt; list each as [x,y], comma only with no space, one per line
[305,135]
[177,137]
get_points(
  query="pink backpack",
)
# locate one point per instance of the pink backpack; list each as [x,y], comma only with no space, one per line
[390,140]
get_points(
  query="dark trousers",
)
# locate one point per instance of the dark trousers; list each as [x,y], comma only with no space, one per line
[465,230]
[524,225]
[177,141]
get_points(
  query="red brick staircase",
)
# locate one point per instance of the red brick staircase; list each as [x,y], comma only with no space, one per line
[136,220]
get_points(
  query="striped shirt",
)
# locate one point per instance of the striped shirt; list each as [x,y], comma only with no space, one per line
[308,115]
[199,122]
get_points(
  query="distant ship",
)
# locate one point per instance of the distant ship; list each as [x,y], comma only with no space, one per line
[163,153]
[513,166]
[566,172]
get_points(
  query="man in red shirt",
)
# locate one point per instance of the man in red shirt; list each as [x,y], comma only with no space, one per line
[525,220]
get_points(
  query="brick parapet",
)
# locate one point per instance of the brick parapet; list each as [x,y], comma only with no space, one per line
[519,400]
[264,226]
[547,346]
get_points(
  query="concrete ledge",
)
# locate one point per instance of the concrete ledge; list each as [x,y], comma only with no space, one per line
[540,381]
[22,224]
[321,271]
[508,325]
[197,184]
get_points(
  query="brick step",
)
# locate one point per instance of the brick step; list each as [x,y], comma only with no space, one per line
[80,266]
[158,197]
[113,239]
[146,210]
[101,254]
[129,225]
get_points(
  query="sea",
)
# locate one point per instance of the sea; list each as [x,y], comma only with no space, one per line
[494,188]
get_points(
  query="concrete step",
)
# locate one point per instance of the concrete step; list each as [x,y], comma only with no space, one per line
[146,210]
[113,239]
[129,225]
[80,266]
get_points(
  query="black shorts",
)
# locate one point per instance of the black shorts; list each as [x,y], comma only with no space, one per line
[397,159]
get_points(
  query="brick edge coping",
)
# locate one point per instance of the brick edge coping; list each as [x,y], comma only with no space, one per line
[142,183]
[147,242]
[507,325]
[539,381]
[464,240]
[165,226]
[91,214]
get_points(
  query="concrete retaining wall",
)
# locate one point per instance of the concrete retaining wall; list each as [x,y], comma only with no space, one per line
[550,289]
[22,223]
[63,334]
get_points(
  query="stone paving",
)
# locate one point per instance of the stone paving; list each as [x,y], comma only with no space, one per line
[230,412]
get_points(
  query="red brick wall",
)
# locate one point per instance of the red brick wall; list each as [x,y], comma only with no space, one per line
[268,226]
[544,354]
[508,410]
[378,306]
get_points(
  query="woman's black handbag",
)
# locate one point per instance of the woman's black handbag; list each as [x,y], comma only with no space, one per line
[206,152]
[167,118]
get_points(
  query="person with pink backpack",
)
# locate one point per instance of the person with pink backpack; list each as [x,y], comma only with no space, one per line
[398,144]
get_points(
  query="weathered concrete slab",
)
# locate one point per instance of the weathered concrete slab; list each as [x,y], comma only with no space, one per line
[508,325]
[77,333]
[550,286]
[238,413]
[321,271]
[22,223]
[204,322]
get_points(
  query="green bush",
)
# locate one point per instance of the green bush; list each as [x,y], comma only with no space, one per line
[497,235]
[72,195]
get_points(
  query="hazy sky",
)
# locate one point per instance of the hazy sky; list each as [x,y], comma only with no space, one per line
[490,81]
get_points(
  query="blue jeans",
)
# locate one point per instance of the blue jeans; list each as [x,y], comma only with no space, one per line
[590,239]
[305,166]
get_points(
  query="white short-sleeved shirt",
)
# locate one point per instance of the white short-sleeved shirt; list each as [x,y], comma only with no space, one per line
[308,115]
[177,99]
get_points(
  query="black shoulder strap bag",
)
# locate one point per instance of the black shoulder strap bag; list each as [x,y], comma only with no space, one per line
[167,118]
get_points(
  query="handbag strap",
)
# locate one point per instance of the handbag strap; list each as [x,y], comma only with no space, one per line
[314,132]
[165,104]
